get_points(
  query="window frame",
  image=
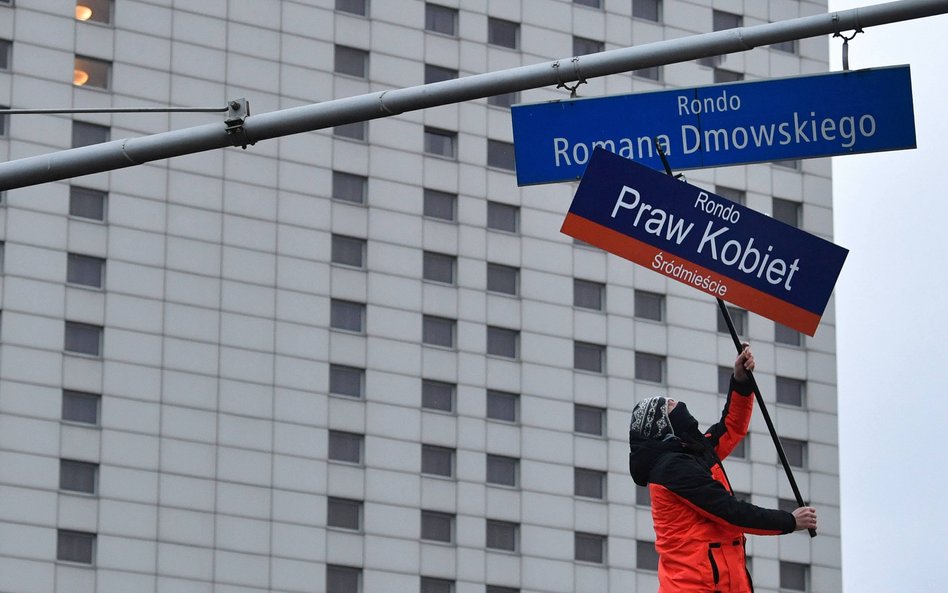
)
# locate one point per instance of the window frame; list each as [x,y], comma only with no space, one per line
[503,217]
[345,58]
[498,396]
[72,343]
[502,530]
[78,265]
[599,477]
[431,325]
[75,397]
[582,354]
[441,143]
[67,551]
[348,504]
[499,37]
[74,475]
[342,376]
[437,200]
[439,267]
[644,301]
[442,388]
[509,348]
[433,19]
[340,243]
[351,437]
[434,455]
[503,279]
[641,358]
[594,556]
[498,467]
[580,410]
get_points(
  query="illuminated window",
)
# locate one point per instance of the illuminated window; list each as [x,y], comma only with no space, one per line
[91,72]
[94,11]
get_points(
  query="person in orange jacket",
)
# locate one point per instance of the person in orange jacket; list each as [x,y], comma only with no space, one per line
[699,524]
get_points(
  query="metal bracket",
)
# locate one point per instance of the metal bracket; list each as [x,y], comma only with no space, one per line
[846,41]
[237,111]
[579,77]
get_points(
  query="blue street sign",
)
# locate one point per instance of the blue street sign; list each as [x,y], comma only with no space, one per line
[724,124]
[701,239]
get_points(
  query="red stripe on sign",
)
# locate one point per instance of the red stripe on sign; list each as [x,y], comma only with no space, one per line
[692,274]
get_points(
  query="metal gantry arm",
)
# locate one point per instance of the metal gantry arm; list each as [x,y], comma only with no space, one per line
[135,151]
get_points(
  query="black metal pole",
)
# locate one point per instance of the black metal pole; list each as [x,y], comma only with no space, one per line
[760,399]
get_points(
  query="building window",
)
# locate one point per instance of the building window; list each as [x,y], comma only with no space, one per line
[354,131]
[583,46]
[441,19]
[349,187]
[791,391]
[649,367]
[501,155]
[438,527]
[437,395]
[95,11]
[788,164]
[588,294]
[503,217]
[502,535]
[433,585]
[502,470]
[590,483]
[438,331]
[4,122]
[737,196]
[359,7]
[87,203]
[345,380]
[503,33]
[589,419]
[345,446]
[437,461]
[649,305]
[503,279]
[650,73]
[721,20]
[794,576]
[80,407]
[348,251]
[90,72]
[787,212]
[84,134]
[440,205]
[589,357]
[443,143]
[347,315]
[78,476]
[589,3]
[438,267]
[738,317]
[83,338]
[503,342]
[646,558]
[498,589]
[724,380]
[85,270]
[590,547]
[506,100]
[344,513]
[787,336]
[741,448]
[343,579]
[439,73]
[790,47]
[502,405]
[75,546]
[787,504]
[722,75]
[643,496]
[649,10]
[351,61]
[6,51]
[795,450]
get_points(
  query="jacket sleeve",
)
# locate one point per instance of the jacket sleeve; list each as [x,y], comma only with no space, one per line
[735,419]
[685,476]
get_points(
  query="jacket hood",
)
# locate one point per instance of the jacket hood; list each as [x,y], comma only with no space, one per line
[645,453]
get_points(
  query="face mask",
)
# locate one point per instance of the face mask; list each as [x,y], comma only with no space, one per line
[683,423]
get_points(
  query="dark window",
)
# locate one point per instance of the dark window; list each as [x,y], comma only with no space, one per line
[794,576]
[590,483]
[443,143]
[503,33]
[789,47]
[721,20]
[589,3]
[83,338]
[438,331]
[345,446]
[649,305]
[345,380]
[741,448]
[788,164]
[503,217]
[77,476]
[643,496]
[85,270]
[506,100]
[437,461]
[502,405]
[589,357]
[343,579]
[787,504]
[738,317]
[359,7]
[354,131]
[437,527]
[348,250]
[590,547]
[344,513]
[583,46]
[96,11]
[650,10]
[433,585]
[501,155]
[724,380]
[4,122]
[502,535]
[439,73]
[441,19]
[649,367]
[589,419]
[497,589]
[440,205]
[87,203]
[349,187]
[352,61]
[738,196]
[722,75]
[650,73]
[91,72]
[75,546]
[504,279]
[437,395]
[588,294]
[80,407]
[790,391]
[438,267]
[787,212]
[502,342]
[787,336]
[347,315]
[646,558]
[502,470]
[6,50]
[795,450]
[84,134]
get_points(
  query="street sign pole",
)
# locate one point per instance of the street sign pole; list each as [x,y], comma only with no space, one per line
[750,375]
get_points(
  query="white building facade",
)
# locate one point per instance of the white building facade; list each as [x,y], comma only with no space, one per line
[362,359]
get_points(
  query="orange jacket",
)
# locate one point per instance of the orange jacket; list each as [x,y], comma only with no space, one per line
[699,525]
